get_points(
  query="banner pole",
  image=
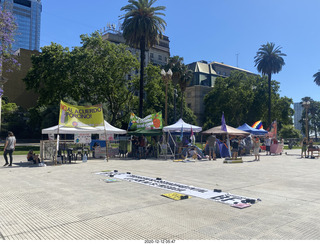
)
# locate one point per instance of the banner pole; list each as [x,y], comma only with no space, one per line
[105,134]
[57,148]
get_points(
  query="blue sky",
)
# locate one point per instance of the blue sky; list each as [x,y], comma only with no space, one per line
[211,30]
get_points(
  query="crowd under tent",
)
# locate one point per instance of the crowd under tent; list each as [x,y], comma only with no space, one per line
[84,134]
[178,128]
[226,152]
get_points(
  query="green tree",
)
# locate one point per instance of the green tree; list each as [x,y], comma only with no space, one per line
[269,60]
[185,79]
[142,27]
[7,32]
[317,78]
[95,72]
[242,99]
[288,131]
[155,96]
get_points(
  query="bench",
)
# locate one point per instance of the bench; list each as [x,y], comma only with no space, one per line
[313,150]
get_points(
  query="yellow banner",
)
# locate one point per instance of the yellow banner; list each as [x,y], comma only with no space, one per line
[74,116]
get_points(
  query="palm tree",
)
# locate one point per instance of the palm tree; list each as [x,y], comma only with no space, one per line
[142,28]
[186,77]
[269,61]
[175,64]
[317,78]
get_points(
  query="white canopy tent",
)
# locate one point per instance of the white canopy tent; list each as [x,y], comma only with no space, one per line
[88,129]
[180,124]
[178,127]
[110,129]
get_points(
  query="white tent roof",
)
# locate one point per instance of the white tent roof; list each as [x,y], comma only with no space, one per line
[110,129]
[181,124]
[88,129]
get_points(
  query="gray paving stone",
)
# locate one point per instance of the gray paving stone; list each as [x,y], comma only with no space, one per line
[71,202]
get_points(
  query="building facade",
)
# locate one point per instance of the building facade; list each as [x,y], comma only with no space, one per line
[298,109]
[158,54]
[28,20]
[204,76]
[15,88]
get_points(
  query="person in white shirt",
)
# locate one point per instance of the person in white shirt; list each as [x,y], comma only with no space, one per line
[268,145]
[9,147]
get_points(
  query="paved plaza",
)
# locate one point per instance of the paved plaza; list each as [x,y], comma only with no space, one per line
[71,202]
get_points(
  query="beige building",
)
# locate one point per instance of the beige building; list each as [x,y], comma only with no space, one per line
[15,88]
[204,76]
[158,54]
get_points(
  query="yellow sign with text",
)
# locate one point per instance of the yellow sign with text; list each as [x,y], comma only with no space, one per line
[78,116]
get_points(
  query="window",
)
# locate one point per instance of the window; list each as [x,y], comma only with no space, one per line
[151,55]
[160,57]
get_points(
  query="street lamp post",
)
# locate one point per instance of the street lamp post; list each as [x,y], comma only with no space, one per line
[166,76]
[306,105]
[175,95]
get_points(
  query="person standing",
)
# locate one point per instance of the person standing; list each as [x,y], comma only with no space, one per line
[304,147]
[235,148]
[268,145]
[9,147]
[256,148]
[212,146]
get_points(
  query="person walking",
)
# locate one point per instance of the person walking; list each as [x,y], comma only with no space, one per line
[256,148]
[9,148]
[212,146]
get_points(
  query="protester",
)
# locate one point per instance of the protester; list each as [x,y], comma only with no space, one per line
[310,147]
[256,148]
[32,157]
[235,148]
[142,146]
[193,153]
[268,145]
[9,148]
[211,142]
[304,147]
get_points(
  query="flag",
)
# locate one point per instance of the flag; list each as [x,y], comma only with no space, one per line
[223,123]
[273,130]
[258,125]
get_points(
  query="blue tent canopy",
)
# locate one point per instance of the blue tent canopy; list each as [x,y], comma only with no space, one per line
[247,128]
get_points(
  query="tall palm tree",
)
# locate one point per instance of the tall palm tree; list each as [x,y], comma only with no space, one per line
[269,61]
[185,79]
[317,78]
[142,28]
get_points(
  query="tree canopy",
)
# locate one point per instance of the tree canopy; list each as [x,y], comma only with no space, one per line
[242,99]
[95,72]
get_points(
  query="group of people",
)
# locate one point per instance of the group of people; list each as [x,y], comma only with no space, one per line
[239,144]
[9,148]
[142,149]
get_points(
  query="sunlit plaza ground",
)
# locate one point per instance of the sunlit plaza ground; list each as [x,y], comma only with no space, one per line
[71,202]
